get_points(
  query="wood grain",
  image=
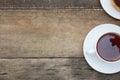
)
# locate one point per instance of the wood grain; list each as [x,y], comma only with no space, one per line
[50,69]
[42,39]
[47,33]
[48,4]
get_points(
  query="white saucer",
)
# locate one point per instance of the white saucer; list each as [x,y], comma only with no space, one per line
[89,44]
[107,6]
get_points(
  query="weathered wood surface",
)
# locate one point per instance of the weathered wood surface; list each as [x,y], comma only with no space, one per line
[47,33]
[38,36]
[48,4]
[50,69]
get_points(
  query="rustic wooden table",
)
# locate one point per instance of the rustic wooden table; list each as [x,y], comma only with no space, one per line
[42,39]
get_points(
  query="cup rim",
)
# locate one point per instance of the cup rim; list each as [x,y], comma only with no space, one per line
[96,50]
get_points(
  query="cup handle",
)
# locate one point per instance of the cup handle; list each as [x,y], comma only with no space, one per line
[91,52]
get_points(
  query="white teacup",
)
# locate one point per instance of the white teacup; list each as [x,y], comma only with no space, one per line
[107,47]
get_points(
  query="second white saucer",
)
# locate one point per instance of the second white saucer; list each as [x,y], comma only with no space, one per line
[107,6]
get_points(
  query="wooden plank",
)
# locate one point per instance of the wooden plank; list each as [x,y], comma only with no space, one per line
[47,4]
[50,69]
[47,33]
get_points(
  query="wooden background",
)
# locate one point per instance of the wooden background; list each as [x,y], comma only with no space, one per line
[42,39]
